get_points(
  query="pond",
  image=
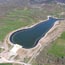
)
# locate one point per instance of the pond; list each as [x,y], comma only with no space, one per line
[28,38]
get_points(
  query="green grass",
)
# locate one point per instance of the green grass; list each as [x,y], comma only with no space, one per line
[58,47]
[5,64]
[63,36]
[9,64]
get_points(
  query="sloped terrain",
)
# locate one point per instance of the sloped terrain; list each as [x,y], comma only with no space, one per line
[9,5]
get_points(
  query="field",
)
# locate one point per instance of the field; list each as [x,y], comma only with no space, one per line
[58,47]
[9,64]
[5,64]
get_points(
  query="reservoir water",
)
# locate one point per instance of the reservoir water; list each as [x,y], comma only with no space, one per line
[28,38]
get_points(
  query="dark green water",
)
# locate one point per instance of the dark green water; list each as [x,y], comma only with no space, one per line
[29,38]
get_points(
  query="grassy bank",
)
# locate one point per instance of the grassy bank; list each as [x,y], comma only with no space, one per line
[58,47]
[5,64]
[9,64]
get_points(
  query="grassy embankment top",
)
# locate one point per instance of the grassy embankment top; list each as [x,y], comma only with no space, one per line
[9,64]
[58,47]
[5,64]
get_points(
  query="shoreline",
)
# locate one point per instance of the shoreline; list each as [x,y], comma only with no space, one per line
[26,27]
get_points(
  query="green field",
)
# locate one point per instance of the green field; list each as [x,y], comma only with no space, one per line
[58,47]
[5,64]
[9,64]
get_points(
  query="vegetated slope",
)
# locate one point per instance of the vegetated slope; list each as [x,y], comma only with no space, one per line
[6,64]
[24,2]
[41,1]
[9,64]
[46,1]
[16,2]
[27,2]
[8,5]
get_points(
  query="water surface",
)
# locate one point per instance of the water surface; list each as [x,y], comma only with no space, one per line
[29,38]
